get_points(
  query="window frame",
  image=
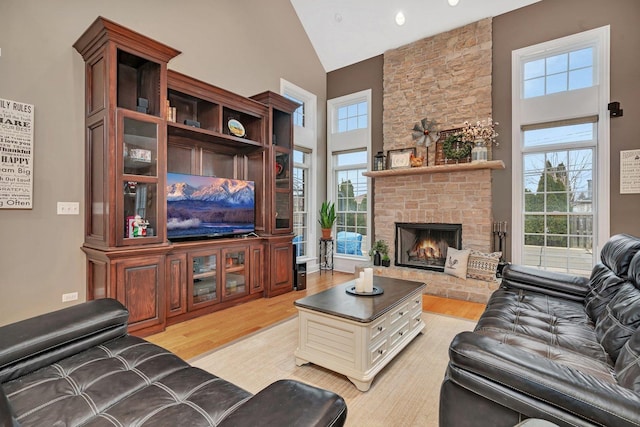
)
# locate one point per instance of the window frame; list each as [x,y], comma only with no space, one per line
[353,140]
[306,171]
[572,104]
[305,138]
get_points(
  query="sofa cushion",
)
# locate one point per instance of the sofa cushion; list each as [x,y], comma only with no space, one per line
[128,380]
[628,364]
[618,252]
[456,263]
[606,278]
[553,328]
[483,266]
[619,320]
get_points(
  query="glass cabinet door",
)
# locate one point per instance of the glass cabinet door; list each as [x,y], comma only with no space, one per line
[235,278]
[204,280]
[140,147]
[140,200]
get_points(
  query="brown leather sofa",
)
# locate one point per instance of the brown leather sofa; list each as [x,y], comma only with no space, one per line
[79,367]
[553,346]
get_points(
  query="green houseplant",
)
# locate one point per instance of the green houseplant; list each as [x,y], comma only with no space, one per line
[380,247]
[327,218]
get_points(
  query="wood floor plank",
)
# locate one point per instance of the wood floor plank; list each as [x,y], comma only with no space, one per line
[196,336]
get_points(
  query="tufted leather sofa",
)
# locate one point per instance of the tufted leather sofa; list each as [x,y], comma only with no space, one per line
[553,346]
[79,367]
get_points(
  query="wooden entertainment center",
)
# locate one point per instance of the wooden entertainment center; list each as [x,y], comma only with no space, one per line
[143,121]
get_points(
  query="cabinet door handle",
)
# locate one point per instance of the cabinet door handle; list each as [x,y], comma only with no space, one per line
[401,313]
[381,351]
[380,328]
[401,333]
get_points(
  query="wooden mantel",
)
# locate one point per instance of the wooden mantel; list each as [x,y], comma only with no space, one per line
[492,164]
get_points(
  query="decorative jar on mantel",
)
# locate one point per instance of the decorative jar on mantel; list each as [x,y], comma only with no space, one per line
[479,151]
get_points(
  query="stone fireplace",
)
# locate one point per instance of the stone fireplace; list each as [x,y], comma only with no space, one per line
[446,195]
[424,245]
[446,78]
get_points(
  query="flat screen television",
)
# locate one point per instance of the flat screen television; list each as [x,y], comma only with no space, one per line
[205,206]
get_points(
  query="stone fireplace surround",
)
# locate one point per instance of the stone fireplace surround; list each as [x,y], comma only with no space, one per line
[453,194]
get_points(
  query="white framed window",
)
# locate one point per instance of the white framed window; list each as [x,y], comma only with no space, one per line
[351,188]
[305,159]
[348,157]
[561,152]
[301,229]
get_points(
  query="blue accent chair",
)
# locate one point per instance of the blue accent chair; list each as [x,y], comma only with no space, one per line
[349,243]
[297,244]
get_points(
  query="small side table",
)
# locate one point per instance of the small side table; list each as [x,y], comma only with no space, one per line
[325,254]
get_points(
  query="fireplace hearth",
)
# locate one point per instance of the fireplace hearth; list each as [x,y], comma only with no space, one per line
[424,245]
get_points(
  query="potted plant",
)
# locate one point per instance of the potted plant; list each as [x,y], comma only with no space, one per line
[386,261]
[327,218]
[380,252]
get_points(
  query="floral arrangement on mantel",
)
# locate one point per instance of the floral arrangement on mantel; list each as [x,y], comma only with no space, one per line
[483,132]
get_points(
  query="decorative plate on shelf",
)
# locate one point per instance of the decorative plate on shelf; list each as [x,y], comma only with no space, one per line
[236,128]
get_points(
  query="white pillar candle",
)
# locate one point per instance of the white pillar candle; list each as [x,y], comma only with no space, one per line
[359,285]
[368,279]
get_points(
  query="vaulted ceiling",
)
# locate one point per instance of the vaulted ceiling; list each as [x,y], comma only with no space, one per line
[344,32]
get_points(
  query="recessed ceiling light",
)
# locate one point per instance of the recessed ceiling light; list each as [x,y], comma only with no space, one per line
[453,2]
[337,17]
[400,18]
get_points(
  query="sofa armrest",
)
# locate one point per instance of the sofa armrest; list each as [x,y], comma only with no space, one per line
[547,282]
[30,344]
[599,401]
[290,403]
[7,418]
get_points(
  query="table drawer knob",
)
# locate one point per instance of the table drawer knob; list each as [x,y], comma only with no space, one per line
[380,328]
[401,313]
[401,333]
[381,351]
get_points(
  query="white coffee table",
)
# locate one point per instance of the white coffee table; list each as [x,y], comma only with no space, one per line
[355,335]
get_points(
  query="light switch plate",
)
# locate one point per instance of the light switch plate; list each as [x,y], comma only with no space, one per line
[68,208]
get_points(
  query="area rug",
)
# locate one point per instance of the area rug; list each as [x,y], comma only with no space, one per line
[405,393]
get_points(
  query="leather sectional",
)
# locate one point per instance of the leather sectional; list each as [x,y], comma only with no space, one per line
[79,367]
[553,346]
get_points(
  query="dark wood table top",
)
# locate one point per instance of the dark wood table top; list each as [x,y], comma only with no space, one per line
[337,302]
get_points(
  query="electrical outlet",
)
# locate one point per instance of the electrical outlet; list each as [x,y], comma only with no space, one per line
[68,208]
[72,296]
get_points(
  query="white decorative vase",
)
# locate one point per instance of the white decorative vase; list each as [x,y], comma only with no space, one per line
[479,152]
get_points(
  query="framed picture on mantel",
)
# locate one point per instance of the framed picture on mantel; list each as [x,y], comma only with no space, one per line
[401,158]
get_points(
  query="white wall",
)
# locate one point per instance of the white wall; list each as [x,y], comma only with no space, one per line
[243,46]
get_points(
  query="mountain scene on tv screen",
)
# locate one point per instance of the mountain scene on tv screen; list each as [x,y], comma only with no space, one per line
[218,207]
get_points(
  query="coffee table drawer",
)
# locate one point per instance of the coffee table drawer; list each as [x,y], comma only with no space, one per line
[378,329]
[377,352]
[399,314]
[396,335]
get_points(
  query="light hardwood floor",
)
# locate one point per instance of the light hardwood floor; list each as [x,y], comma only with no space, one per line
[193,337]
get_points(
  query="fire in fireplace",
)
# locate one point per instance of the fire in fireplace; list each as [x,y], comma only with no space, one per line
[424,245]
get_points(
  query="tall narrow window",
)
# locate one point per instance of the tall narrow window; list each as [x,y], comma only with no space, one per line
[558,197]
[351,190]
[561,152]
[348,157]
[305,163]
[298,114]
[301,165]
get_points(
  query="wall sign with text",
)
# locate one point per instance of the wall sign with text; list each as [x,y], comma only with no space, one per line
[630,172]
[16,155]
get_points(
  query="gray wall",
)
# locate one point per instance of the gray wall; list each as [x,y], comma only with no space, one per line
[245,47]
[551,19]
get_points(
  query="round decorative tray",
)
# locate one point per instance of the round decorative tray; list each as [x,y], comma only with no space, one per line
[376,291]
